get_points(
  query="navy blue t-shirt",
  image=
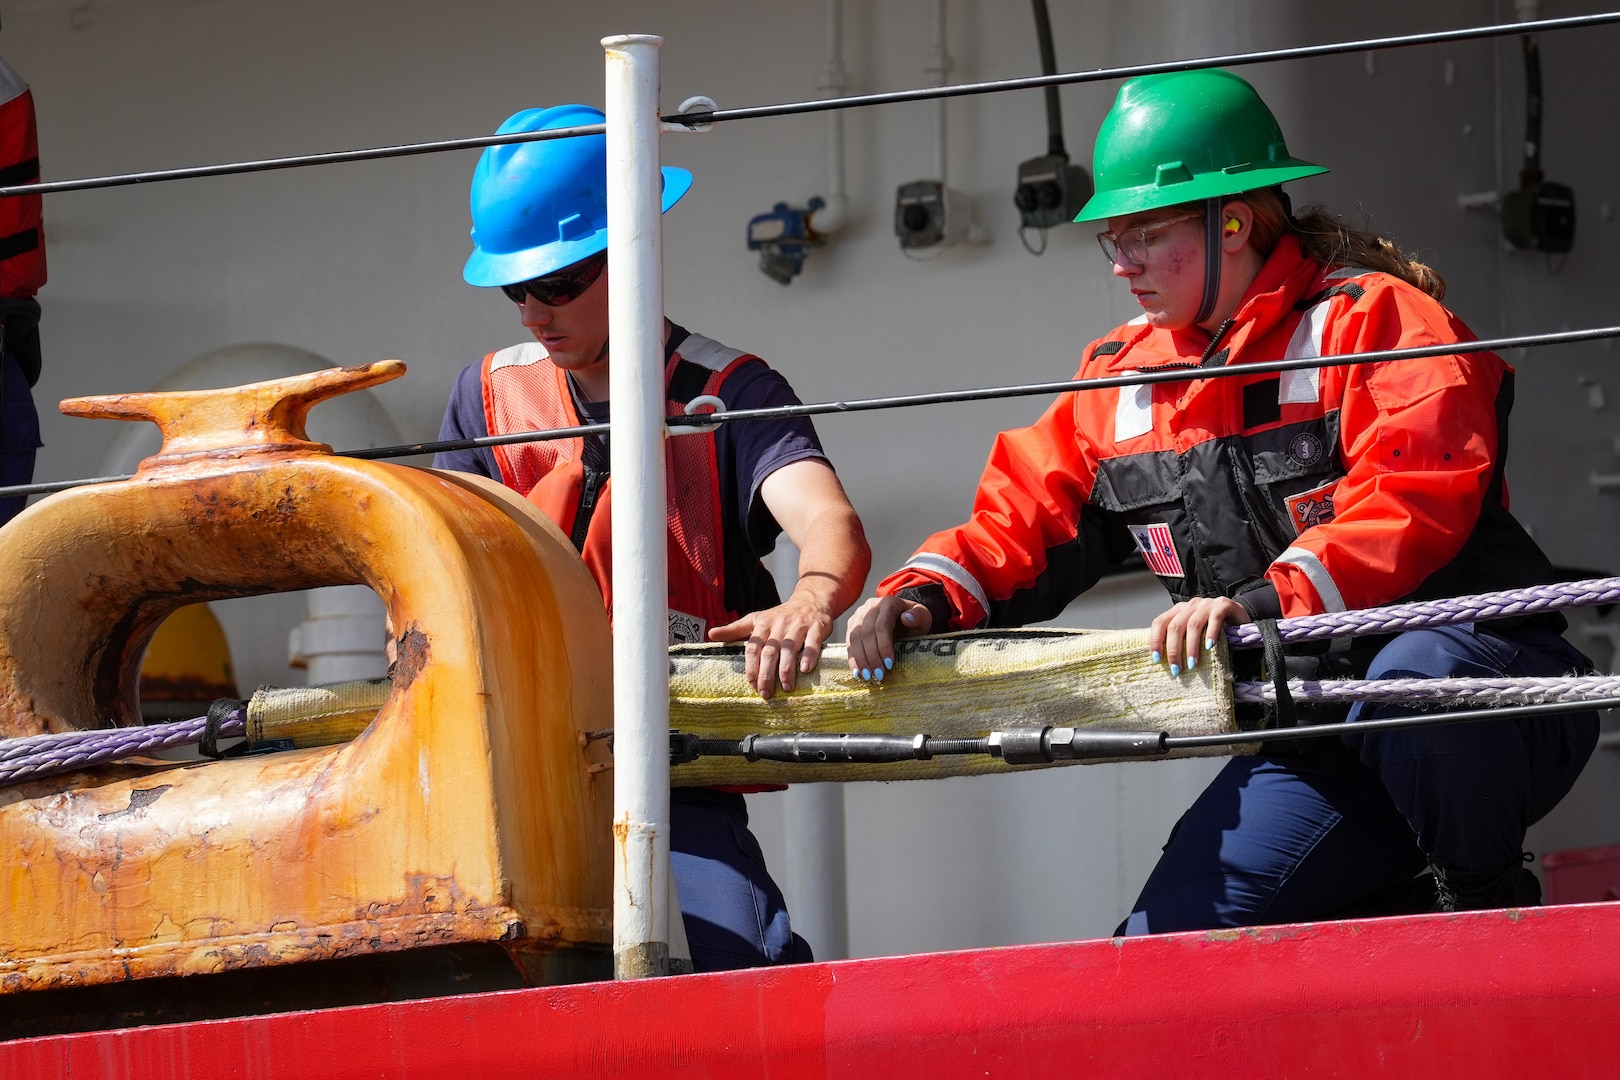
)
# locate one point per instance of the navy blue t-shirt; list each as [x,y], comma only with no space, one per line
[745,452]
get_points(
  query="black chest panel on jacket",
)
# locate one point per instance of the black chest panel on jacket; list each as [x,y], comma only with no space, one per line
[1229,503]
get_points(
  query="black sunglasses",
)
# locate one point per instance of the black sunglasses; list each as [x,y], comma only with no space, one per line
[562,287]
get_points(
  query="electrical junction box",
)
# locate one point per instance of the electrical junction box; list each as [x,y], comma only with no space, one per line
[928,214]
[1050,191]
[1540,217]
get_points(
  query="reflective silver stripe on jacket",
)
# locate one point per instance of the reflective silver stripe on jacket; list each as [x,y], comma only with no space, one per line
[706,352]
[938,564]
[530,352]
[11,84]
[1305,386]
[1320,579]
[1133,415]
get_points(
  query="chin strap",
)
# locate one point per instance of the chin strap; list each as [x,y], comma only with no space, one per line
[1212,259]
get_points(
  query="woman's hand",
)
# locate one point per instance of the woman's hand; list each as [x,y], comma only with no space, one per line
[873,629]
[1178,636]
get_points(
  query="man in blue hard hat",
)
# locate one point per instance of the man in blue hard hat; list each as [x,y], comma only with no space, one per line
[540,235]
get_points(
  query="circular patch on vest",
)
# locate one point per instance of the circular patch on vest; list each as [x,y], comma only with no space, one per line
[1305,449]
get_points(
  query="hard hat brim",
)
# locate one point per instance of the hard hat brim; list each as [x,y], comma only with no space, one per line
[1209,185]
[494,269]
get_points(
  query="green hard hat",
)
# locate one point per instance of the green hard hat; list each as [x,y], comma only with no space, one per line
[1184,136]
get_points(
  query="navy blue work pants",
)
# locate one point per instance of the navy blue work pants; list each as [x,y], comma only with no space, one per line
[1288,838]
[733,912]
[19,434]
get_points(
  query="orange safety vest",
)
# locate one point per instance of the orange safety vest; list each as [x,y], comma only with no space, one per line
[22,238]
[525,391]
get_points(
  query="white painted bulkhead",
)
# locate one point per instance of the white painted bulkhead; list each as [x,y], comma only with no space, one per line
[359,262]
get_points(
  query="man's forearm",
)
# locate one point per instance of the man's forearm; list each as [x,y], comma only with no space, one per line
[834,560]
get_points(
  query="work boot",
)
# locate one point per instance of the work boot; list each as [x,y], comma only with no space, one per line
[1415,896]
[1476,890]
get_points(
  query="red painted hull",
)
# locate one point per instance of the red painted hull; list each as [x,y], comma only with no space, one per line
[1521,994]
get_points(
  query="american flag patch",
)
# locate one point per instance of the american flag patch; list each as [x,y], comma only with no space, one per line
[1158,549]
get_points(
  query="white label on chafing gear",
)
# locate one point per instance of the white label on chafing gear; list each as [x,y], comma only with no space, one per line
[685,629]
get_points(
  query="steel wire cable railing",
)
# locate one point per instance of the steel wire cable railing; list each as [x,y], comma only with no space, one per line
[35,757]
[704,421]
[701,119]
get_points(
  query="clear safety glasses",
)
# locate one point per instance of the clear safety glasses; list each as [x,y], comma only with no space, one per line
[1132,245]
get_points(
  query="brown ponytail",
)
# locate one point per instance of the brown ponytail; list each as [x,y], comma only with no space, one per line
[1330,241]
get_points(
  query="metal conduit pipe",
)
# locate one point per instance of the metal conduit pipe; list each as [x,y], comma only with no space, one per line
[940,64]
[834,83]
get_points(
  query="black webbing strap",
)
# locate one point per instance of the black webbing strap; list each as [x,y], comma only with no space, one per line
[19,243]
[25,171]
[1282,712]
[1212,259]
[218,712]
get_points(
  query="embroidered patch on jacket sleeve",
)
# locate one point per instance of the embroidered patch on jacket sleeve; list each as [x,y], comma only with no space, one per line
[1312,508]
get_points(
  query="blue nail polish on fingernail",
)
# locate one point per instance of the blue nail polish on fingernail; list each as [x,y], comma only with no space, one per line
[888,662]
[866,673]
[1175,669]
[877,673]
[1156,657]
[1192,662]
[1209,643]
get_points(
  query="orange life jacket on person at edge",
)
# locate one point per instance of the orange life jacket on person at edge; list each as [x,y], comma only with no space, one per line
[22,241]
[525,391]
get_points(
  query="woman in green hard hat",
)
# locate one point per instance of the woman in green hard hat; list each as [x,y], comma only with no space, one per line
[1253,498]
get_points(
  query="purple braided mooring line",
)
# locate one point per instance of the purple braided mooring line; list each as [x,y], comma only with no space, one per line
[1504,691]
[1426,613]
[46,755]
[73,741]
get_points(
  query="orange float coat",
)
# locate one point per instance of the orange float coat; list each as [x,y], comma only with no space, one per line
[1310,491]
[22,239]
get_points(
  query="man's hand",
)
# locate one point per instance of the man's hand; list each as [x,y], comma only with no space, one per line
[783,641]
[1177,636]
[873,629]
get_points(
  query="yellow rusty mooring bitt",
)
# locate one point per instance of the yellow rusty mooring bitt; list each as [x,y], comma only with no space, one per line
[464,812]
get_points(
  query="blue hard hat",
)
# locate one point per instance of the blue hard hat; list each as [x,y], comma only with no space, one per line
[540,206]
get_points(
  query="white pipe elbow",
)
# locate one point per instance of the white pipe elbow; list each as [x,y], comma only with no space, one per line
[832,216]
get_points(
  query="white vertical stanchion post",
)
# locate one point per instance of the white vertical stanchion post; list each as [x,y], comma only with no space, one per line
[816,867]
[641,875]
